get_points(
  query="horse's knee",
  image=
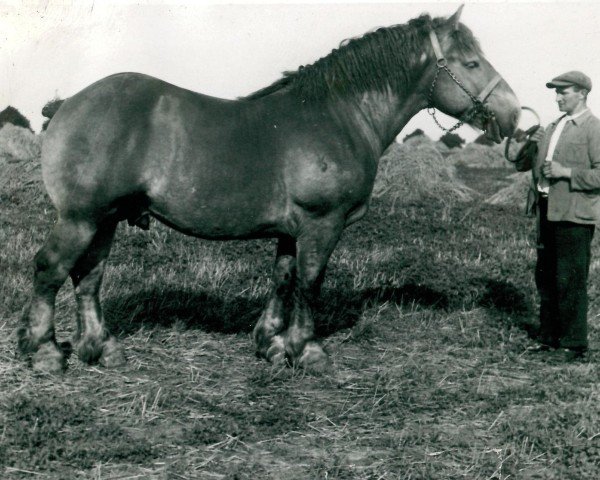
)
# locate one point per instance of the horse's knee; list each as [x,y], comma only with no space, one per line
[49,274]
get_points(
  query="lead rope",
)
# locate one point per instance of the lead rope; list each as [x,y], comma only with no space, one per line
[530,131]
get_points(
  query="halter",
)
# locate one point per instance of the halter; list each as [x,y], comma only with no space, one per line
[478,107]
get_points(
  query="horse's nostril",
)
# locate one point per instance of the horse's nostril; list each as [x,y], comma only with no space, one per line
[515,116]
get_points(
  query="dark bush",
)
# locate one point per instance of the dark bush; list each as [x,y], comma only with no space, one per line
[416,133]
[452,140]
[12,115]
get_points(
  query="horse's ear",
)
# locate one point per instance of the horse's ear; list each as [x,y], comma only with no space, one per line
[455,19]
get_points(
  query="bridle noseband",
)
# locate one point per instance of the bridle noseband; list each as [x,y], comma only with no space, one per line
[478,107]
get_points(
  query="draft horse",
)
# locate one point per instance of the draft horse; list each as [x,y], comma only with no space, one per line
[295,161]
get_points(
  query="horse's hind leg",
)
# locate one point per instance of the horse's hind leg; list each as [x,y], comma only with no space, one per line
[94,344]
[269,344]
[36,335]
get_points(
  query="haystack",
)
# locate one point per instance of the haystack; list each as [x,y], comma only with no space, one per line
[476,155]
[515,193]
[420,140]
[20,172]
[480,156]
[18,143]
[409,173]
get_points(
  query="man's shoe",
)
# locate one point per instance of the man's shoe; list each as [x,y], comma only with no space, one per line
[538,348]
[570,354]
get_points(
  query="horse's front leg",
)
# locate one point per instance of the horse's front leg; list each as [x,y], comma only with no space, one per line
[314,247]
[269,342]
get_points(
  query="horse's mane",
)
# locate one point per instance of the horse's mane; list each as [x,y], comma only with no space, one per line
[377,59]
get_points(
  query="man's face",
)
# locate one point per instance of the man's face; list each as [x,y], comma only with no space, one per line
[568,99]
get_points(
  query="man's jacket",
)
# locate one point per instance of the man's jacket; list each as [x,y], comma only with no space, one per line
[576,199]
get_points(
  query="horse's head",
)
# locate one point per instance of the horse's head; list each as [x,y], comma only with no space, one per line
[463,84]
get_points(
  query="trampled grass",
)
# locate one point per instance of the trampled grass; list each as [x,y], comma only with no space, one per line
[426,313]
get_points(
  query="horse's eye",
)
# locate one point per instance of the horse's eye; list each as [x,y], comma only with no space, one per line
[472,64]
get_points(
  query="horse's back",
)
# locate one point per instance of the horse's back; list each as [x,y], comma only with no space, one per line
[192,157]
[100,130]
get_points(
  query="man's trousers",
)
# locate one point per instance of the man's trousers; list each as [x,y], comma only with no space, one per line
[563,262]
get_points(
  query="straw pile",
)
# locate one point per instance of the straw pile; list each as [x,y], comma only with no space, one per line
[20,172]
[416,170]
[515,193]
[18,143]
[475,155]
[418,141]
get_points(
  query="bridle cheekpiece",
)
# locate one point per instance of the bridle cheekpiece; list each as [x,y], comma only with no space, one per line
[478,107]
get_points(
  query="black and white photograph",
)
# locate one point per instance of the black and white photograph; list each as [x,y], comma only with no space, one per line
[327,240]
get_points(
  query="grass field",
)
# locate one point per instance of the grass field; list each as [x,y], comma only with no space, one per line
[426,312]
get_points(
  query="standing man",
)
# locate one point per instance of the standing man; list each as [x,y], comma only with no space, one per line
[566,198]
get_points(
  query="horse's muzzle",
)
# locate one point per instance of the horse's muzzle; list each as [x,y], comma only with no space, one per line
[492,130]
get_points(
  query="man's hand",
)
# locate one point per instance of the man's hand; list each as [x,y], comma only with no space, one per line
[537,135]
[555,170]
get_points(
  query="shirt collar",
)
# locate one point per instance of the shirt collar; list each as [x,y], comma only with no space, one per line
[576,116]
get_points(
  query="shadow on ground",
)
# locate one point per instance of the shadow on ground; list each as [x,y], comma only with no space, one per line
[510,301]
[337,308]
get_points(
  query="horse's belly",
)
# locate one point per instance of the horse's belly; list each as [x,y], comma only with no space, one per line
[227,215]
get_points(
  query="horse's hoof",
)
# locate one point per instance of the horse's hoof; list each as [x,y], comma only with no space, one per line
[107,353]
[66,348]
[48,359]
[25,346]
[112,354]
[276,352]
[314,359]
[89,350]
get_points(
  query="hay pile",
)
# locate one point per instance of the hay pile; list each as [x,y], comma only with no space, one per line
[20,172]
[483,156]
[421,140]
[515,193]
[475,155]
[17,143]
[417,141]
[416,170]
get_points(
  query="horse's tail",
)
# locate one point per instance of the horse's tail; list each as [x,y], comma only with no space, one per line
[50,110]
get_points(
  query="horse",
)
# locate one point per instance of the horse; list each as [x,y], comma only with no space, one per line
[295,161]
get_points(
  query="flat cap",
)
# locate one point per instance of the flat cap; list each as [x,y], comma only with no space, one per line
[569,79]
